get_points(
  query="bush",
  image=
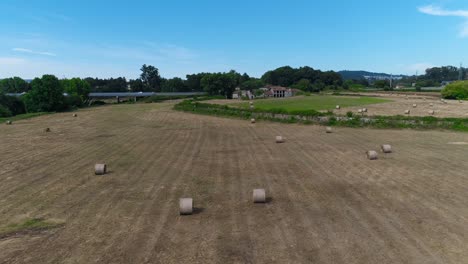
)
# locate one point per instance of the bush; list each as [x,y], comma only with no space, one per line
[4,112]
[456,90]
[73,101]
[97,103]
[349,114]
[13,104]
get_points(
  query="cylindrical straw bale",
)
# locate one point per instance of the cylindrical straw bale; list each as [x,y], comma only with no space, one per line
[371,154]
[100,169]
[186,206]
[279,139]
[259,196]
[386,148]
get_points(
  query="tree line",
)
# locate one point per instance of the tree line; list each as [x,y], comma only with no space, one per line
[49,94]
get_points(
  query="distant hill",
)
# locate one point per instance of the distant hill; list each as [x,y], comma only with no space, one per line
[349,75]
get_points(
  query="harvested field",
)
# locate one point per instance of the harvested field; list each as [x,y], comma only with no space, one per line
[326,202]
[399,102]
[391,105]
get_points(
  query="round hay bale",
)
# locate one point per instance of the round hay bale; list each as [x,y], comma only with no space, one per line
[251,103]
[415,105]
[186,206]
[75,115]
[252,120]
[386,148]
[364,110]
[100,169]
[460,101]
[407,112]
[259,196]
[371,154]
[47,130]
[328,130]
[359,110]
[8,122]
[338,107]
[431,112]
[431,104]
[279,139]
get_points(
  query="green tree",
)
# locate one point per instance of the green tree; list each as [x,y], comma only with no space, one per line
[194,81]
[174,85]
[150,78]
[14,105]
[456,90]
[244,78]
[382,84]
[220,83]
[46,95]
[303,85]
[13,85]
[77,89]
[136,85]
[252,84]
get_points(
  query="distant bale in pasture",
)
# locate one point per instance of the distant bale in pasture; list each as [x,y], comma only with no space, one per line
[415,105]
[359,111]
[371,154]
[259,196]
[431,112]
[9,122]
[100,169]
[364,110]
[280,139]
[252,120]
[431,104]
[251,103]
[338,107]
[386,148]
[185,206]
[328,130]
[407,112]
[75,115]
[47,130]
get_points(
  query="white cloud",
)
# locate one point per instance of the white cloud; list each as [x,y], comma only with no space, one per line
[34,52]
[438,11]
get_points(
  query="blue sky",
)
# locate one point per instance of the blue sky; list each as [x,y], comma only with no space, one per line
[114,38]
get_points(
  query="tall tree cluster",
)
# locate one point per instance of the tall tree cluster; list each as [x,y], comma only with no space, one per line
[304,78]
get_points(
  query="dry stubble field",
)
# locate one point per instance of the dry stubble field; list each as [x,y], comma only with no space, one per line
[328,204]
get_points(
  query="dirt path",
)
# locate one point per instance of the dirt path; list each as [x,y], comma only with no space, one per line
[328,204]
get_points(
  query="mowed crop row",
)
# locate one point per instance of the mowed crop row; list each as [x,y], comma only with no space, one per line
[327,202]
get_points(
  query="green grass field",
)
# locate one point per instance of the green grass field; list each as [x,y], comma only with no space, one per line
[314,102]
